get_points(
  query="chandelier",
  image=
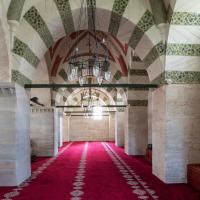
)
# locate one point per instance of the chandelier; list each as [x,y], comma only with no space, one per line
[96,65]
[92,104]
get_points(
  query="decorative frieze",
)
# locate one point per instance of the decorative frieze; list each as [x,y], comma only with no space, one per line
[19,78]
[41,110]
[145,23]
[117,12]
[177,49]
[157,51]
[65,11]
[7,91]
[178,77]
[185,18]
[23,50]
[35,20]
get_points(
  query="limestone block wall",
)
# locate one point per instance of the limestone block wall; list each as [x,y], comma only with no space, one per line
[119,129]
[158,134]
[150,111]
[14,135]
[88,129]
[58,127]
[136,130]
[66,128]
[112,126]
[136,134]
[43,137]
[176,124]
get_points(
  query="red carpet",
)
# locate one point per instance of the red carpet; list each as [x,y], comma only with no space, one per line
[95,171]
[163,191]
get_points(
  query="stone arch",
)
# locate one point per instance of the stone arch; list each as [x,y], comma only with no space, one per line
[59,54]
[32,41]
[183,44]
[41,75]
[4,48]
[109,95]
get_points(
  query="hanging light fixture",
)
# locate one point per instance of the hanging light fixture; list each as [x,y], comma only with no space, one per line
[94,66]
[91,104]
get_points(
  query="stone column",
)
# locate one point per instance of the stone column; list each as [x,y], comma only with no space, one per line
[150,109]
[112,127]
[175,125]
[119,128]
[66,128]
[43,136]
[58,126]
[14,135]
[136,129]
[61,131]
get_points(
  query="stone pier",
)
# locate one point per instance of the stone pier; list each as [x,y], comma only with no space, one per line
[43,135]
[175,130]
[14,135]
[119,128]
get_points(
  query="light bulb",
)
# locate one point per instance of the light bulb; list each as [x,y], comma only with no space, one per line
[96,71]
[99,80]
[74,71]
[97,110]
[81,80]
[108,76]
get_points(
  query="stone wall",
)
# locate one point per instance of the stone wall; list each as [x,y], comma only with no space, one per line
[119,129]
[43,137]
[176,124]
[150,111]
[88,129]
[112,127]
[66,128]
[14,135]
[136,130]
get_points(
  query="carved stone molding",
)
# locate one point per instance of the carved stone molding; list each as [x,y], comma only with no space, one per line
[7,91]
[41,110]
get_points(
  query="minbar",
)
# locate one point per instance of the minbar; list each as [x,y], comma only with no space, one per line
[194,175]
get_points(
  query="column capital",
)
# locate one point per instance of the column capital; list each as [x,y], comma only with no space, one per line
[7,89]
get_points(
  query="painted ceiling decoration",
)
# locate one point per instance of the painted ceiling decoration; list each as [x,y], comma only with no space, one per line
[57,58]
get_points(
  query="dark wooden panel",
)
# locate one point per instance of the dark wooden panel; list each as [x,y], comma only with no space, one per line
[194,175]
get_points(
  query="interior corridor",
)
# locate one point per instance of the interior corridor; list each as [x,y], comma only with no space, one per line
[94,170]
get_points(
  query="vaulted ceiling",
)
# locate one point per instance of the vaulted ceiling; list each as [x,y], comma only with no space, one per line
[162,36]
